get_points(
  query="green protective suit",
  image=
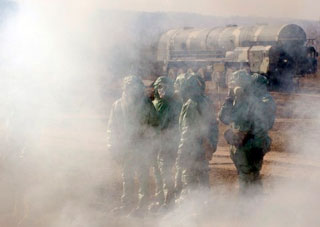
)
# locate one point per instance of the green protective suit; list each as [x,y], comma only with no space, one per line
[198,125]
[131,127]
[168,109]
[250,117]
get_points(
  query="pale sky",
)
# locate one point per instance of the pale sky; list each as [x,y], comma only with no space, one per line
[299,9]
[304,9]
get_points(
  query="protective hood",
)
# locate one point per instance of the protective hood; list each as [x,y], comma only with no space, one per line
[181,78]
[192,86]
[168,87]
[259,79]
[133,87]
[240,78]
[259,84]
[132,81]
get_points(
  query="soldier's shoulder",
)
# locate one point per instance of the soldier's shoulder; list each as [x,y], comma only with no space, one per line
[189,105]
[117,103]
[116,106]
[147,101]
[148,105]
[176,103]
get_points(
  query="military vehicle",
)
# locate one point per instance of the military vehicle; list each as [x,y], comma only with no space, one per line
[281,52]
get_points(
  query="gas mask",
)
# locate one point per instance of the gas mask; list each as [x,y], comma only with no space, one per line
[239,94]
[163,90]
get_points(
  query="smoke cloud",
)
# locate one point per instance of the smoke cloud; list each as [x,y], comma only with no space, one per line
[53,168]
[60,66]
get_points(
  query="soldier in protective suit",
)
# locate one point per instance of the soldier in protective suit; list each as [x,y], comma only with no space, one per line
[198,127]
[130,130]
[180,80]
[168,108]
[250,111]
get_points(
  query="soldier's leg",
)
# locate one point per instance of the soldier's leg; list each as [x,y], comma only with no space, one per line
[250,183]
[166,164]
[249,163]
[189,178]
[159,194]
[203,174]
[243,180]
[239,158]
[127,198]
[143,178]
[255,158]
[177,180]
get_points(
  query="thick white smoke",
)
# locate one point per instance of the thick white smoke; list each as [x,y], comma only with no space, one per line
[57,81]
[54,165]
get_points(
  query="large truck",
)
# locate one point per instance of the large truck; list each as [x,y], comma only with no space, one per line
[281,52]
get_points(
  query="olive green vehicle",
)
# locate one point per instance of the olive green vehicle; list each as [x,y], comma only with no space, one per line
[279,52]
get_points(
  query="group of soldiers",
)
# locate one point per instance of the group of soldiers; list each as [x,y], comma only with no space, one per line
[177,132]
